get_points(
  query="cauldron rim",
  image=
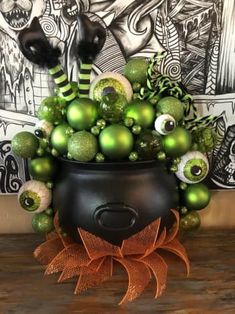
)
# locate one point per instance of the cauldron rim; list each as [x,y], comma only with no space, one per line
[110,165]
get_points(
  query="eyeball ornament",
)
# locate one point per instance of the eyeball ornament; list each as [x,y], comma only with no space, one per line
[43,129]
[193,167]
[165,124]
[34,196]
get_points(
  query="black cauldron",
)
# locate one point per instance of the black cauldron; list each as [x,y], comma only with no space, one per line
[113,200]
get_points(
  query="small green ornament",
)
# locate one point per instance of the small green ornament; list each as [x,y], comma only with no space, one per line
[25,144]
[136,129]
[42,223]
[133,156]
[161,156]
[83,146]
[183,210]
[177,143]
[40,152]
[112,105]
[60,137]
[174,168]
[204,139]
[49,211]
[141,111]
[196,196]
[148,144]
[101,123]
[82,114]
[99,157]
[116,141]
[172,106]
[54,152]
[136,87]
[95,130]
[42,168]
[49,185]
[183,186]
[190,221]
[51,109]
[136,70]
[129,122]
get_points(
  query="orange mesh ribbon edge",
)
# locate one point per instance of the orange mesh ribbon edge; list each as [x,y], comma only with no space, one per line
[92,261]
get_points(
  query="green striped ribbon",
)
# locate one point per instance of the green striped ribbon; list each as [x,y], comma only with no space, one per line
[62,82]
[84,80]
[200,122]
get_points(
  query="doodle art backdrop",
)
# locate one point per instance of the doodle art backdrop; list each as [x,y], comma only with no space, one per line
[199,39]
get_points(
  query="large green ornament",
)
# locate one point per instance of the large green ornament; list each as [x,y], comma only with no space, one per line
[60,137]
[136,70]
[83,146]
[196,196]
[172,106]
[42,169]
[25,144]
[116,141]
[141,111]
[177,143]
[52,109]
[148,144]
[191,221]
[42,223]
[112,106]
[82,114]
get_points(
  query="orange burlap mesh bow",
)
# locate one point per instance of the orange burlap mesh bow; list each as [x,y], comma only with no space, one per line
[92,261]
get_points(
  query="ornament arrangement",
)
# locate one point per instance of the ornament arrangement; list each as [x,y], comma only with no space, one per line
[135,117]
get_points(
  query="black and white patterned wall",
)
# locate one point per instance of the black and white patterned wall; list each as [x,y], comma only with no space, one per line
[198,36]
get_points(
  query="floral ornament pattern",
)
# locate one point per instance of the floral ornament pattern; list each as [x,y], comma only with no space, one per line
[93,260]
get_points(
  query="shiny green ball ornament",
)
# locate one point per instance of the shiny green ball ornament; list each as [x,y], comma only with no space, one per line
[25,144]
[83,146]
[116,141]
[82,114]
[148,145]
[52,110]
[161,156]
[141,111]
[190,221]
[42,168]
[172,106]
[136,70]
[133,156]
[136,129]
[99,158]
[196,196]
[177,143]
[42,223]
[60,137]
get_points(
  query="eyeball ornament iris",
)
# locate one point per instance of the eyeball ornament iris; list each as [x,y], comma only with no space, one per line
[34,196]
[193,168]
[165,124]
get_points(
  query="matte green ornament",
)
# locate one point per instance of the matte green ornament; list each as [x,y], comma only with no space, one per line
[172,106]
[60,137]
[136,70]
[52,109]
[42,223]
[25,144]
[190,221]
[116,141]
[177,143]
[196,196]
[83,146]
[82,114]
[141,111]
[148,144]
[42,168]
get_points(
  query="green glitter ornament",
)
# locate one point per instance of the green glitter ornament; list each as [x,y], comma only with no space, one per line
[25,144]
[42,223]
[190,221]
[148,145]
[172,106]
[136,70]
[205,139]
[83,146]
[52,109]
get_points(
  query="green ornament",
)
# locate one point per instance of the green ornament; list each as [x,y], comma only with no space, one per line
[136,70]
[183,186]
[25,144]
[101,123]
[133,156]
[141,111]
[129,122]
[83,146]
[42,168]
[172,106]
[177,143]
[40,152]
[136,129]
[99,157]
[116,141]
[82,114]
[42,223]
[136,87]
[49,211]
[183,210]
[161,156]
[60,137]
[112,105]
[148,144]
[173,168]
[95,130]
[190,221]
[196,196]
[204,139]
[52,109]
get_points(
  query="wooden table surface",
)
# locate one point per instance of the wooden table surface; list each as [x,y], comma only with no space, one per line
[209,289]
